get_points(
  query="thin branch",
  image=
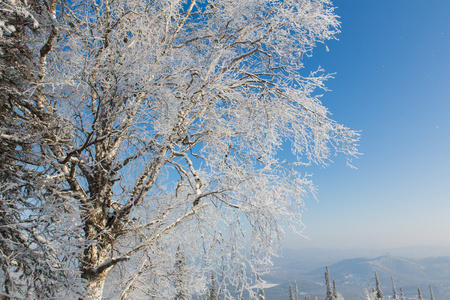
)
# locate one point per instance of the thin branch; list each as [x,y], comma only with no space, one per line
[167,229]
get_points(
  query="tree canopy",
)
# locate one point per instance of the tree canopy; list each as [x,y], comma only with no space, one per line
[130,129]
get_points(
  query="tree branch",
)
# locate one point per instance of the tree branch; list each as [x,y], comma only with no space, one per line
[108,264]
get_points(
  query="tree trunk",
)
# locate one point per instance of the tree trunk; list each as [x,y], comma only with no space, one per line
[94,270]
[95,285]
[95,265]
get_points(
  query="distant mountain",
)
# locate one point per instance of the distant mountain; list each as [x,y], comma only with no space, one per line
[353,275]
[404,270]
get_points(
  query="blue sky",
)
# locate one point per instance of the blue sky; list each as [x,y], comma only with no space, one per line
[392,82]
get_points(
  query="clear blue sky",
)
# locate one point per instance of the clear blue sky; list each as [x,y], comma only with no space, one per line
[392,82]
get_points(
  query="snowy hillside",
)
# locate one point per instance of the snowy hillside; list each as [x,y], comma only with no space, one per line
[353,275]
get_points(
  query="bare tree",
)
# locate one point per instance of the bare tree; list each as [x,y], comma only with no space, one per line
[154,124]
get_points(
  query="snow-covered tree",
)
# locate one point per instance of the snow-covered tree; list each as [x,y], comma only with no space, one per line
[402,295]
[33,235]
[180,275]
[394,290]
[431,293]
[419,292]
[336,295]
[379,293]
[328,284]
[131,127]
[291,293]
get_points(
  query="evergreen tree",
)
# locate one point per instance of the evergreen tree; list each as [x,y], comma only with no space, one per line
[369,292]
[394,290]
[291,293]
[335,293]
[402,296]
[420,294]
[327,282]
[378,290]
[431,293]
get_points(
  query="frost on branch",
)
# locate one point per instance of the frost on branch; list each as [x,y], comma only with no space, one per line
[156,131]
[36,230]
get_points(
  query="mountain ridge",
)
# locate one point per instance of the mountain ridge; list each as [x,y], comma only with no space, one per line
[354,274]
